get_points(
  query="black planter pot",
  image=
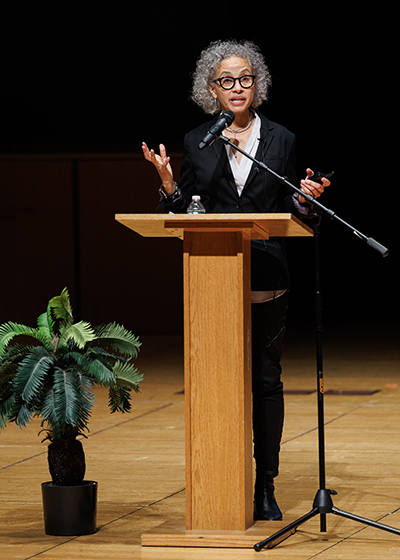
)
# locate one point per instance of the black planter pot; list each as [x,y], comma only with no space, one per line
[70,510]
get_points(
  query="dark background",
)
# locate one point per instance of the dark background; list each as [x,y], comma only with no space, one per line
[83,85]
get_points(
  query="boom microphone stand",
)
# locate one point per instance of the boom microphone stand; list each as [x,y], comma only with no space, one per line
[323,501]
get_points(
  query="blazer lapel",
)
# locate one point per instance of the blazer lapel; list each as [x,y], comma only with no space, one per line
[221,155]
[266,136]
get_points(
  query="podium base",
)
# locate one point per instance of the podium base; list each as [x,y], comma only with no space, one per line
[173,533]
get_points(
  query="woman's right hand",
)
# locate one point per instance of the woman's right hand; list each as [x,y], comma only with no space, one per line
[162,164]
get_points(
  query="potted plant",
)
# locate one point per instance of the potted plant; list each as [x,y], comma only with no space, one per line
[51,374]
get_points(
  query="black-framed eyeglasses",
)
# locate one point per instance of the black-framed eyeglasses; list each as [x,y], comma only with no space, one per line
[227,82]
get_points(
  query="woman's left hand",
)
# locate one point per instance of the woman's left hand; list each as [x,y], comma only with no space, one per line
[311,187]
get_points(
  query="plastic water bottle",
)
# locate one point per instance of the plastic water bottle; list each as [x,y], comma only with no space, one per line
[196,207]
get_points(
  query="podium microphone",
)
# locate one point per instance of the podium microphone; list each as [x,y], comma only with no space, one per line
[225,120]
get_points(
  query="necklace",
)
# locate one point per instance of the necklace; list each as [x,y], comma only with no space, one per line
[239,130]
[243,128]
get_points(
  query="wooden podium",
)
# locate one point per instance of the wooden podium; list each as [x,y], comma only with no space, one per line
[217,347]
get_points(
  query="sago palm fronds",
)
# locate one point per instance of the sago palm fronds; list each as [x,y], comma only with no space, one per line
[53,377]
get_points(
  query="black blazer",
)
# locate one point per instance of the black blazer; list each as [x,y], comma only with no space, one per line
[208,174]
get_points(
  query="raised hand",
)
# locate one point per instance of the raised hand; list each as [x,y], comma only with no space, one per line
[162,163]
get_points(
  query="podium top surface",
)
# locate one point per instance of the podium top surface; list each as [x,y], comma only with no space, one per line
[258,226]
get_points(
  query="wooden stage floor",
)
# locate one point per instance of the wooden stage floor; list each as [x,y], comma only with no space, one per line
[138,459]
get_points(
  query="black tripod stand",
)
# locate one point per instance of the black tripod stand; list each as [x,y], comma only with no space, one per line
[323,499]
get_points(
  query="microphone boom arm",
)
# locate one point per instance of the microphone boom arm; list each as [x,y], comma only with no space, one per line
[320,208]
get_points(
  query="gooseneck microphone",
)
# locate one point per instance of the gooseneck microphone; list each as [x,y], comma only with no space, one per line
[225,120]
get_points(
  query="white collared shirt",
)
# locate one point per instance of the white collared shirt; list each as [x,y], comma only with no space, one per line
[242,168]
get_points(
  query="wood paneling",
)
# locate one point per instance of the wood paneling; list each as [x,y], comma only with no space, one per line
[37,233]
[58,229]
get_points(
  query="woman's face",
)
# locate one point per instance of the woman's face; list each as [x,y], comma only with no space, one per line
[238,99]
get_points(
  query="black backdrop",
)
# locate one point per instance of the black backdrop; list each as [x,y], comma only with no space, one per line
[103,76]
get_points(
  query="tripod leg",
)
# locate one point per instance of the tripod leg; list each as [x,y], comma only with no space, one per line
[284,533]
[366,521]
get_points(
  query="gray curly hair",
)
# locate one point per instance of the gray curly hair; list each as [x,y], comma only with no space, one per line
[212,57]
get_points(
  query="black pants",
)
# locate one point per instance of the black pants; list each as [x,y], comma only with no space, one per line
[268,329]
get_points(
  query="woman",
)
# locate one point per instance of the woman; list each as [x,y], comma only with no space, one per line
[232,76]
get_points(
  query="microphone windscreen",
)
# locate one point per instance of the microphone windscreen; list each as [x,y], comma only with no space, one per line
[230,117]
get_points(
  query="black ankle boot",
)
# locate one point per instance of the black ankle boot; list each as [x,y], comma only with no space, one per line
[265,506]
